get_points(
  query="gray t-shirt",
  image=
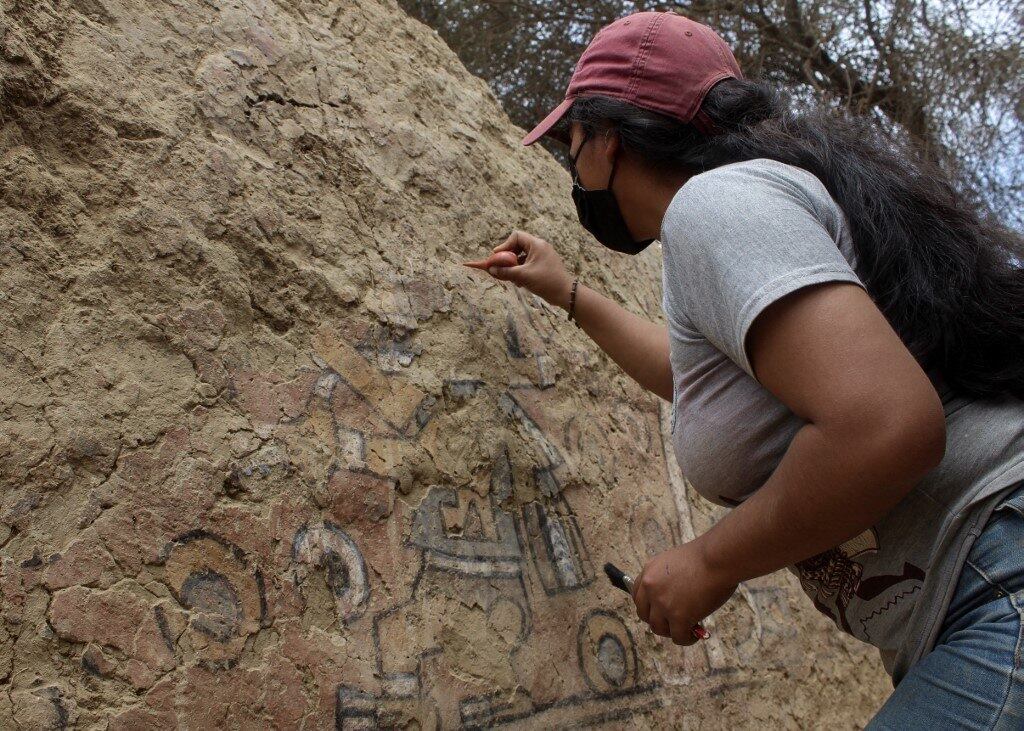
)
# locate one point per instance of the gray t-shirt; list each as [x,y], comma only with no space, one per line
[734,240]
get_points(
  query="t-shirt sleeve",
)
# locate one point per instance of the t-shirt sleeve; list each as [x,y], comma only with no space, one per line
[733,242]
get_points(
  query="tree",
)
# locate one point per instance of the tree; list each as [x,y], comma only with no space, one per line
[949,74]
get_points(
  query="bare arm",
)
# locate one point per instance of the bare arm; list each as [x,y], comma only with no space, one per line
[874,427]
[638,346]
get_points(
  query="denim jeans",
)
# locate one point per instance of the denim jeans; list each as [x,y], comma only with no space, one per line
[973,678]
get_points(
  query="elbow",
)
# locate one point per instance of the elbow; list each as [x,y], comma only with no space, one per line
[665,383]
[914,442]
[937,435]
[923,443]
[903,440]
[928,422]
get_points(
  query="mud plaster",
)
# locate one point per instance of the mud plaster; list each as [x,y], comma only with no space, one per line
[273,458]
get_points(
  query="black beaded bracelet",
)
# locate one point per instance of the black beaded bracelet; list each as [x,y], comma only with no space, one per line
[572,301]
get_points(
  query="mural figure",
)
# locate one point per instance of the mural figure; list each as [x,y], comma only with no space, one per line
[523,568]
[225,597]
[526,566]
[323,545]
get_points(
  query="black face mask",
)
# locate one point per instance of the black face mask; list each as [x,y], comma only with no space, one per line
[599,212]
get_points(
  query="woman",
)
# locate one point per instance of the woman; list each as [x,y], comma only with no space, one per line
[844,354]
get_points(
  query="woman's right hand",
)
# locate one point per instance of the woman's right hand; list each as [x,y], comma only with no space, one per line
[541,270]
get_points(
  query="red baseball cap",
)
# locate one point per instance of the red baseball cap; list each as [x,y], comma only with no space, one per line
[661,61]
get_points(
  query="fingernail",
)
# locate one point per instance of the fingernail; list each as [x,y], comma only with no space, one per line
[492,270]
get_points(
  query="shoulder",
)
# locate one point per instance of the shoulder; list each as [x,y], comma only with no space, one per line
[750,192]
[760,175]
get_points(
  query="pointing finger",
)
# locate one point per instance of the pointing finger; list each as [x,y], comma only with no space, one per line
[516,241]
[508,244]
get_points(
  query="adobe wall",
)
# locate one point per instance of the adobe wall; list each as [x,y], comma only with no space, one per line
[271,458]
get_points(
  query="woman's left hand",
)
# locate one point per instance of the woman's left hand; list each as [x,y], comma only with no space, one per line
[677,589]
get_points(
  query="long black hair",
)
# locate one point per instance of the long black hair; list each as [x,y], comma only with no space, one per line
[948,277]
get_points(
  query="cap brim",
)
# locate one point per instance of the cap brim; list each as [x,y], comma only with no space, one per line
[548,123]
